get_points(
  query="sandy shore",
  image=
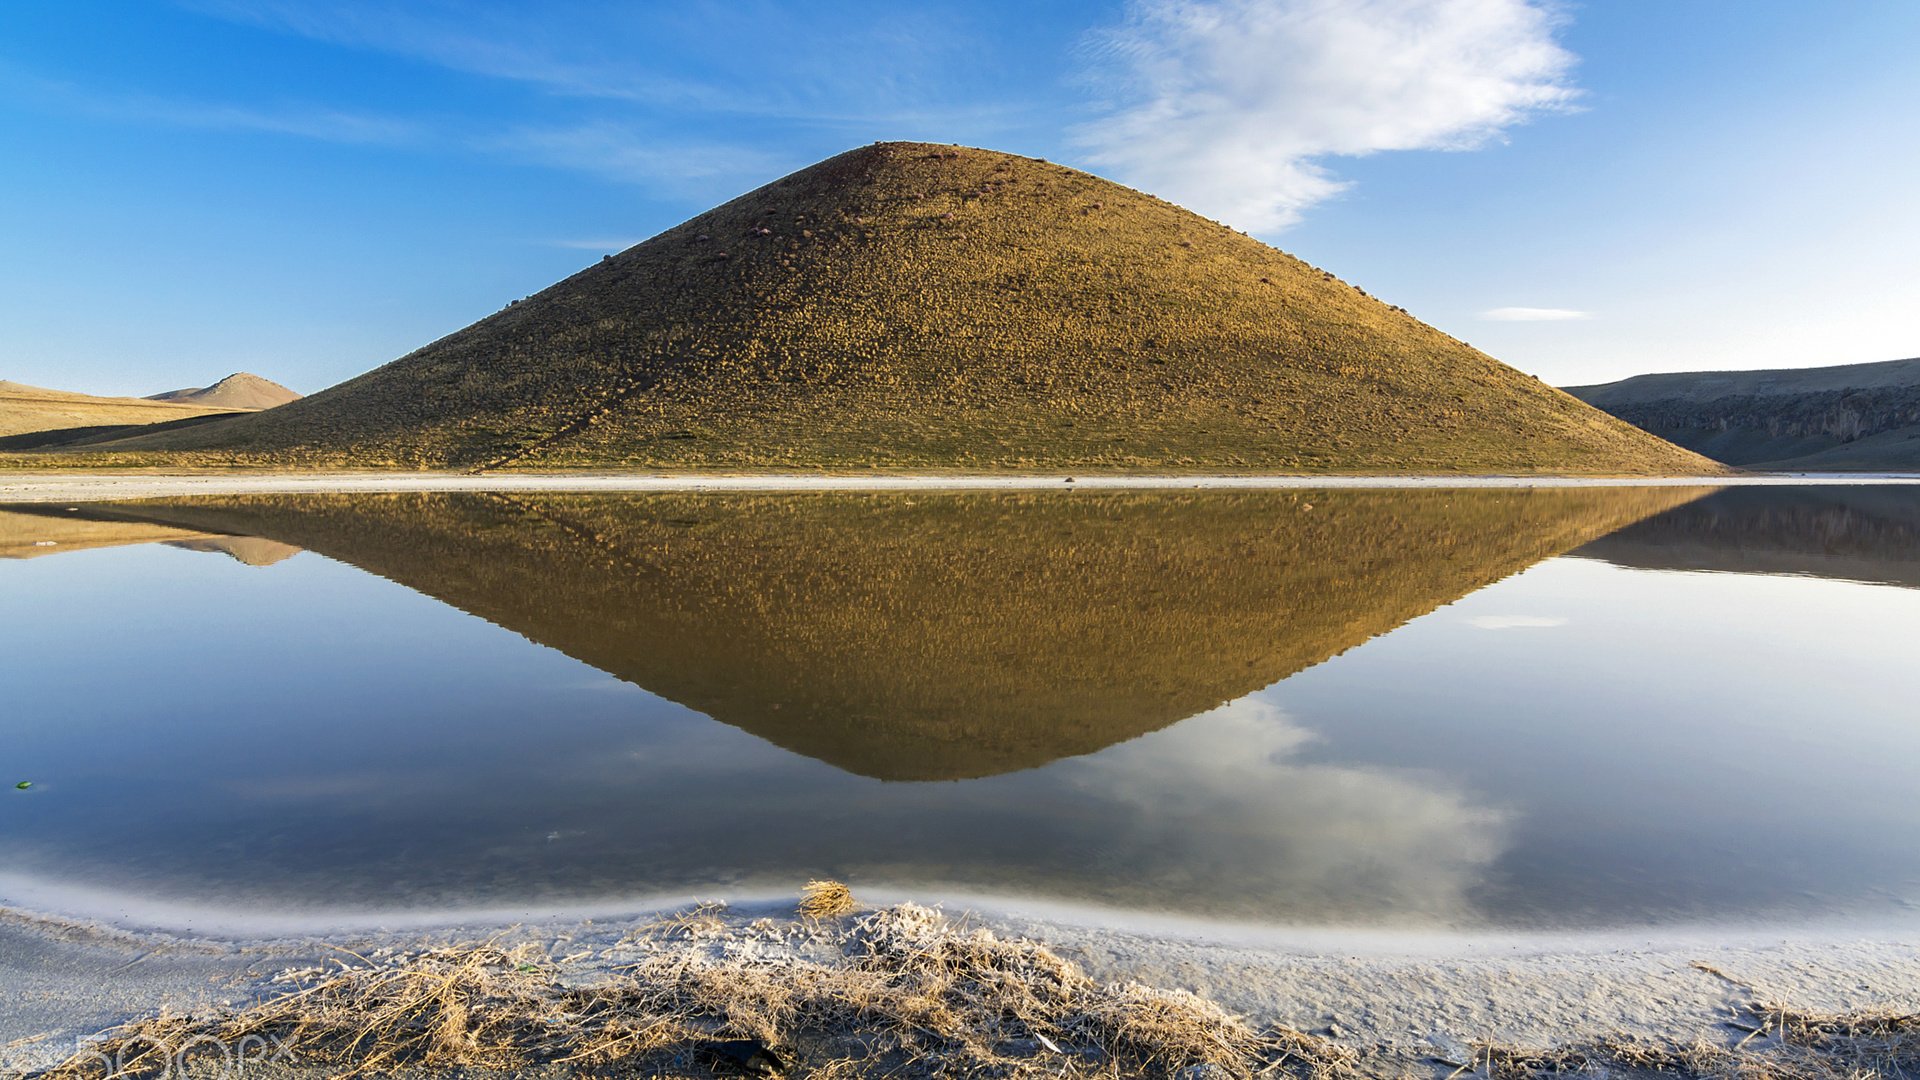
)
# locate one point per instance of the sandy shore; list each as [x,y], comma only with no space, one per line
[1398,998]
[93,487]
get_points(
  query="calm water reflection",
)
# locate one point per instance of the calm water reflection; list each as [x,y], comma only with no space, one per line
[1329,708]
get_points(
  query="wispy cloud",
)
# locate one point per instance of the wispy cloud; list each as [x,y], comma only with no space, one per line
[1534,314]
[299,120]
[612,151]
[494,41]
[618,152]
[1232,107]
[693,100]
[887,65]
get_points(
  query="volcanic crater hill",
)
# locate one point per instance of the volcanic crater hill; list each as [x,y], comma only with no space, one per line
[908,305]
[1850,417]
[1866,534]
[940,636]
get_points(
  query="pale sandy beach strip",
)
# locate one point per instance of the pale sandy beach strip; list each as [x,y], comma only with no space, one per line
[92,487]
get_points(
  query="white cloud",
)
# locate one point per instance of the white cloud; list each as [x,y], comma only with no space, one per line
[1516,622]
[1231,107]
[1534,314]
[1225,800]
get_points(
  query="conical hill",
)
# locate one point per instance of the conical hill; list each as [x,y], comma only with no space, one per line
[916,306]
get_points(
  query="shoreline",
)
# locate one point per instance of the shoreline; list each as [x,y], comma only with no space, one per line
[111,486]
[24,899]
[1396,1008]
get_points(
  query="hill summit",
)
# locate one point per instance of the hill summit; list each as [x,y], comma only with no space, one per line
[239,390]
[919,306]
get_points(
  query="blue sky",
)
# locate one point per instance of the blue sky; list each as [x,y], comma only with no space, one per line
[308,190]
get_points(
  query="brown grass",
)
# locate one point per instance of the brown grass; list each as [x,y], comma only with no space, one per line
[907,993]
[899,992]
[1776,1043]
[825,900]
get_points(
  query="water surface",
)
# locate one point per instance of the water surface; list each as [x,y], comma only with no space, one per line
[1424,708]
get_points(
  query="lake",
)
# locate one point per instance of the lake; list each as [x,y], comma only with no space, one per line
[1439,708]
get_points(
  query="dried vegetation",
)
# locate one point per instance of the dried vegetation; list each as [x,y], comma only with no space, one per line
[895,992]
[900,991]
[1777,1043]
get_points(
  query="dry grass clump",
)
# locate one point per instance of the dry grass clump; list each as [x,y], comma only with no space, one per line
[434,1007]
[825,900]
[1780,1043]
[900,992]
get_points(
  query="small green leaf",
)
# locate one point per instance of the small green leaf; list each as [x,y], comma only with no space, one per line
[23,785]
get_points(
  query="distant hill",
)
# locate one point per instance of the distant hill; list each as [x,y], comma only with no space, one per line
[908,305]
[35,532]
[940,635]
[32,410]
[240,390]
[1845,418]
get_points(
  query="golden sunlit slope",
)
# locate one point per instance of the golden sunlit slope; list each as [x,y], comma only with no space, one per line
[949,635]
[906,305]
[29,409]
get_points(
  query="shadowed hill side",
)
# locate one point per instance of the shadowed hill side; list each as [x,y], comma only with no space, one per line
[1851,417]
[1868,534]
[913,306]
[942,636]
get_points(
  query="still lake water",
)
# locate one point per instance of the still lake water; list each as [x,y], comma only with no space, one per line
[1418,708]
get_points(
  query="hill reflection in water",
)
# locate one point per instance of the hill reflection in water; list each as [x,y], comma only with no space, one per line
[1868,534]
[943,636]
